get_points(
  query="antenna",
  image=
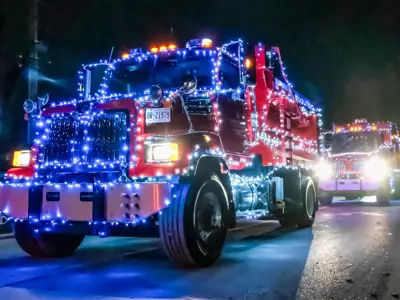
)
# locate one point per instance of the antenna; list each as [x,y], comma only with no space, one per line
[111,53]
[33,41]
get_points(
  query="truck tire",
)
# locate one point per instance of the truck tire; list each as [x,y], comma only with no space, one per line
[45,245]
[302,215]
[306,212]
[194,227]
[286,221]
[326,200]
[383,196]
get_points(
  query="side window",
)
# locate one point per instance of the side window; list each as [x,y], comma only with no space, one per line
[272,61]
[229,74]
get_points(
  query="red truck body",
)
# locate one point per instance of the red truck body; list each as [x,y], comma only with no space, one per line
[242,132]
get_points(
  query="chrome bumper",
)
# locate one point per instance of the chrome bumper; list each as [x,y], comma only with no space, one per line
[349,185]
[127,203]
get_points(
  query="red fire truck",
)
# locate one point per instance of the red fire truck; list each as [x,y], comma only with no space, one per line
[360,162]
[170,142]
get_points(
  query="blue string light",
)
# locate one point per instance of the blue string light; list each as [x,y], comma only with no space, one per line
[103,95]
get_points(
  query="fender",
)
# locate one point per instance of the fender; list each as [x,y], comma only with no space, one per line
[206,163]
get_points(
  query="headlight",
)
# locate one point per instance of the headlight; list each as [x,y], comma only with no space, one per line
[22,158]
[165,152]
[323,170]
[376,167]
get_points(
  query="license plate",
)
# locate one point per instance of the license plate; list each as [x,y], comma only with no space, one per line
[158,115]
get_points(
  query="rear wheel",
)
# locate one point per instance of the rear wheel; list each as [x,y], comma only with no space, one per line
[194,227]
[302,215]
[383,195]
[287,221]
[306,214]
[326,200]
[45,245]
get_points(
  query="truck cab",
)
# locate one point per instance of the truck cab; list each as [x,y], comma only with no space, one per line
[360,161]
[172,142]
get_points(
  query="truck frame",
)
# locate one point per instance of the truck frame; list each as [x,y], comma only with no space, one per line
[219,134]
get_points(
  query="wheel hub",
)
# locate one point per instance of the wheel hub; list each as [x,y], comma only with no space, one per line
[208,217]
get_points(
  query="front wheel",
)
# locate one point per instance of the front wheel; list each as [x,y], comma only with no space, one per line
[194,227]
[45,245]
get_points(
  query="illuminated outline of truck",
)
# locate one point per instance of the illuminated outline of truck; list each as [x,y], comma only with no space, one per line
[182,162]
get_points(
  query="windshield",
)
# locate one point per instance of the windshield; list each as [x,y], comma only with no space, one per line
[356,142]
[166,71]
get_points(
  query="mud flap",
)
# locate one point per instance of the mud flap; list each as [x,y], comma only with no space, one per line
[35,202]
[292,183]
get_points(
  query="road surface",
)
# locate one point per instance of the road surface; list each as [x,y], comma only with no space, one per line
[352,252]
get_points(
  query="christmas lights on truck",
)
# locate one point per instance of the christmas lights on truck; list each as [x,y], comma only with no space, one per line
[361,161]
[171,142]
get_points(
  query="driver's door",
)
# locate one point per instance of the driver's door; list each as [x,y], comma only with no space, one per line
[231,105]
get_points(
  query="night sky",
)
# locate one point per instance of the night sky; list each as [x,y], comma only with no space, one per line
[341,54]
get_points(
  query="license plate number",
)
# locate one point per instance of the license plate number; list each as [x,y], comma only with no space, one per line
[158,115]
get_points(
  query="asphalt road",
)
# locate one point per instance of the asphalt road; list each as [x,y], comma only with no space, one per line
[352,252]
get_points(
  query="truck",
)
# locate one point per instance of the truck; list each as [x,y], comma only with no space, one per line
[362,161]
[170,142]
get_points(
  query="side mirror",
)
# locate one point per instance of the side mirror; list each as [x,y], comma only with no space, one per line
[29,106]
[189,84]
[155,93]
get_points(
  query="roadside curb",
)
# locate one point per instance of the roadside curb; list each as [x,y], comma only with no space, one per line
[6,236]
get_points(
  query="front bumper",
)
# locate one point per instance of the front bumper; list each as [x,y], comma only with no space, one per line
[119,204]
[338,187]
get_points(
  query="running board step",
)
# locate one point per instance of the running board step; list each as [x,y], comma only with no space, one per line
[252,214]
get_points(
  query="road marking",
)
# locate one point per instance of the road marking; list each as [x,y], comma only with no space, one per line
[68,266]
[6,236]
[23,294]
[141,251]
[360,214]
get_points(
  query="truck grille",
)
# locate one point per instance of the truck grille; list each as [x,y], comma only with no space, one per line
[199,105]
[80,141]
[349,166]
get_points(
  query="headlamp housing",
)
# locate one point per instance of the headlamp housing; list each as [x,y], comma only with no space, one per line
[22,158]
[376,167]
[162,152]
[323,170]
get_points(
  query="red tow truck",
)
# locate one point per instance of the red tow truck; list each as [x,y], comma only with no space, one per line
[361,162]
[172,142]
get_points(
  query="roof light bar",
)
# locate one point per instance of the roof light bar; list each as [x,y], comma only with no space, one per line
[163,48]
[206,43]
[199,43]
